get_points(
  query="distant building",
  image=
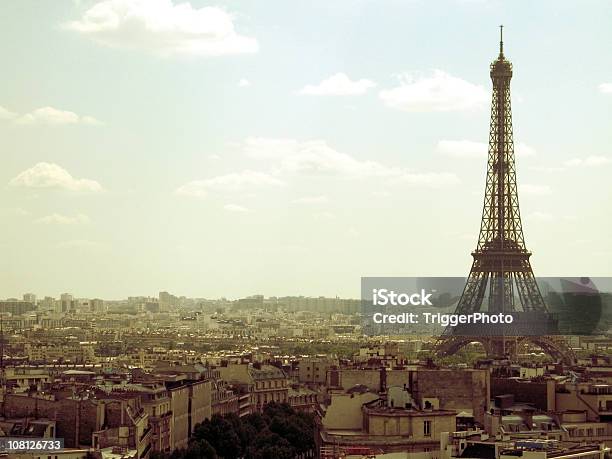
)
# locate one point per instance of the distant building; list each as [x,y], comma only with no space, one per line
[224,400]
[17,307]
[151,306]
[100,422]
[302,399]
[185,402]
[313,370]
[155,400]
[47,304]
[29,297]
[478,444]
[167,301]
[465,390]
[191,404]
[360,422]
[76,352]
[265,383]
[65,302]
[97,305]
[23,379]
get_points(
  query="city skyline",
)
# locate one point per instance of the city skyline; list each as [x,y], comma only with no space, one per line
[146,155]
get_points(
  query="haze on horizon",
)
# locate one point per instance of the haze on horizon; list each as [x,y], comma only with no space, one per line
[233,148]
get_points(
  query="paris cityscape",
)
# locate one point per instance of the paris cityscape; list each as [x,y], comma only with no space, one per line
[220,317]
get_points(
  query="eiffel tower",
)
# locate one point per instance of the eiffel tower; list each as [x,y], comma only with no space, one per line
[501,269]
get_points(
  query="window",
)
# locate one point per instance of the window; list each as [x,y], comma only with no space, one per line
[427,428]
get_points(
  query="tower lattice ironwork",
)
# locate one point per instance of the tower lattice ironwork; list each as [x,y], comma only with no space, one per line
[501,278]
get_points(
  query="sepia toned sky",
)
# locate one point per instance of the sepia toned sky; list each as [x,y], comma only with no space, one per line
[281,147]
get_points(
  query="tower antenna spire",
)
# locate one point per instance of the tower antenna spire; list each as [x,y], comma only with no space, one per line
[501,40]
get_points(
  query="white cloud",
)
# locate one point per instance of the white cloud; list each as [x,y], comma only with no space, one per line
[164,28]
[53,116]
[234,182]
[49,175]
[470,149]
[316,158]
[244,83]
[6,114]
[523,150]
[235,208]
[214,157]
[59,219]
[440,92]
[194,189]
[462,148]
[589,161]
[240,181]
[90,120]
[338,85]
[313,157]
[311,200]
[606,88]
[538,190]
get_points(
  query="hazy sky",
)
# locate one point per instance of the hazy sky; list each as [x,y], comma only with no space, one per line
[283,147]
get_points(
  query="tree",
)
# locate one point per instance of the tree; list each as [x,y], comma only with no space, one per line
[200,450]
[278,433]
[220,434]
